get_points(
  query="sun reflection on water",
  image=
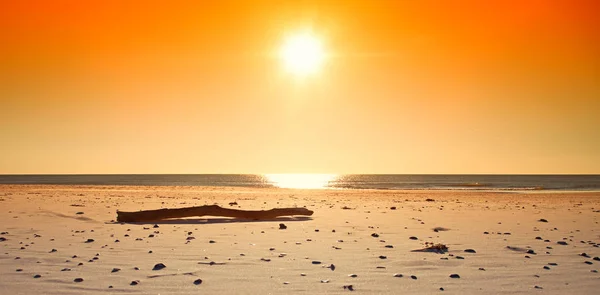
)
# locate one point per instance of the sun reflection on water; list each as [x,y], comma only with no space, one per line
[301,181]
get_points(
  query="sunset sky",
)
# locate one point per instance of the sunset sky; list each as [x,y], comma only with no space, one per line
[199,87]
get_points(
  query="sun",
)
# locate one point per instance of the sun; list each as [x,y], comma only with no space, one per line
[302,54]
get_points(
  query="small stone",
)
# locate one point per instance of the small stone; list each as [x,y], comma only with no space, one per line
[546,267]
[441,289]
[353,275]
[65,269]
[79,213]
[413,277]
[375,235]
[37,276]
[156,226]
[116,269]
[389,246]
[324,281]
[53,250]
[543,220]
[455,276]
[530,251]
[538,238]
[538,287]
[133,283]
[198,282]
[19,269]
[265,259]
[316,262]
[562,243]
[413,238]
[382,257]
[459,257]
[588,262]
[136,268]
[393,208]
[211,242]
[89,240]
[158,266]
[282,226]
[398,275]
[78,280]
[2,239]
[596,258]
[481,268]
[349,287]
[470,251]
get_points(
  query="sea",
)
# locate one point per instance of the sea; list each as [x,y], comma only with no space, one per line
[328,181]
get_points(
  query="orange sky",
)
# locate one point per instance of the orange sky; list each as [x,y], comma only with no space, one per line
[196,87]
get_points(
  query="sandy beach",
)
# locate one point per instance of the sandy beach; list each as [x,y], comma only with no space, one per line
[64,240]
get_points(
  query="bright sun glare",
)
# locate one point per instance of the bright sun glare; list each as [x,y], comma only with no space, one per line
[303,181]
[302,54]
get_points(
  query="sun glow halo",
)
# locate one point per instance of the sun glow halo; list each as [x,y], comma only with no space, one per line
[302,54]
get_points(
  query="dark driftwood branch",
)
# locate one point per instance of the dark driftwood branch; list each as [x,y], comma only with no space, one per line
[208,210]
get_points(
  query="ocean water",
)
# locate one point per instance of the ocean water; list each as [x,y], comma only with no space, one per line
[329,181]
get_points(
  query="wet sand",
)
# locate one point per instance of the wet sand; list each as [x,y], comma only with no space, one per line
[63,240]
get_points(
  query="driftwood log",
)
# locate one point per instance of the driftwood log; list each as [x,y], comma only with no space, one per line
[208,210]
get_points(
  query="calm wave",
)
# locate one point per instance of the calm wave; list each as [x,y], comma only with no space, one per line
[350,181]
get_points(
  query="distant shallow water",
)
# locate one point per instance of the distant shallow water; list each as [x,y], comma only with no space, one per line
[331,181]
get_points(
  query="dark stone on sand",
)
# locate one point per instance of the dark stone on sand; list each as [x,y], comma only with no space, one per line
[211,242]
[316,262]
[552,263]
[538,287]
[80,263]
[19,269]
[413,238]
[429,200]
[79,213]
[349,287]
[116,269]
[158,266]
[538,238]
[382,257]
[53,250]
[78,280]
[389,246]
[486,233]
[562,243]
[89,240]
[375,235]
[133,283]
[543,220]
[393,208]
[198,282]
[597,258]
[441,289]
[481,268]
[546,267]
[398,275]
[65,269]
[455,276]
[470,251]
[37,276]
[588,262]
[2,239]
[530,251]
[282,226]
[459,257]
[156,226]
[413,277]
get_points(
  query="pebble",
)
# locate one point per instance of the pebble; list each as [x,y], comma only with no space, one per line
[562,243]
[413,238]
[158,266]
[353,275]
[78,280]
[265,259]
[116,269]
[349,287]
[543,220]
[470,251]
[375,235]
[398,275]
[324,281]
[282,226]
[455,276]
[596,258]
[37,276]
[133,283]
[89,240]
[389,246]
[441,289]
[316,262]
[588,262]
[19,269]
[413,277]
[198,282]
